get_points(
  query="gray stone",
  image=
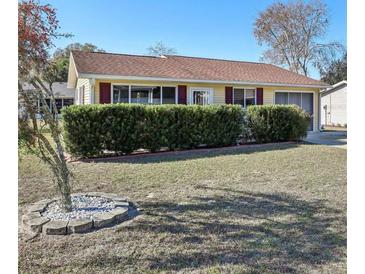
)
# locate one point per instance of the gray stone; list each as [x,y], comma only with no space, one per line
[78,194]
[30,215]
[103,219]
[121,204]
[37,207]
[79,226]
[94,194]
[45,201]
[112,196]
[120,199]
[119,214]
[36,224]
[55,227]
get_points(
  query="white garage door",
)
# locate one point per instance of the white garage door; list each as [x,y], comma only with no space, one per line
[301,99]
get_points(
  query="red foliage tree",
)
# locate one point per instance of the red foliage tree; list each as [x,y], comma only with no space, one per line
[37,27]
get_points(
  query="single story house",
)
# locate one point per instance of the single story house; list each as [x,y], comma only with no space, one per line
[334,105]
[103,78]
[63,95]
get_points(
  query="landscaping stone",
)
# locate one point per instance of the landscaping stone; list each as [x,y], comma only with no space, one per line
[121,204]
[119,214]
[94,194]
[120,199]
[36,224]
[30,215]
[37,207]
[40,206]
[111,196]
[103,219]
[89,210]
[77,194]
[55,227]
[79,226]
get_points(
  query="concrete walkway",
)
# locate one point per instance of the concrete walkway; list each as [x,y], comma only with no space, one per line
[333,138]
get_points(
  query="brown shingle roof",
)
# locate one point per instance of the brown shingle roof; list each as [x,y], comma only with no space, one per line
[188,68]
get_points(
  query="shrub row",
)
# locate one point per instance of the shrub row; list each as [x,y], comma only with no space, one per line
[276,123]
[89,130]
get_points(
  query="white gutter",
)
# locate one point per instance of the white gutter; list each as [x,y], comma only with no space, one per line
[328,90]
[119,77]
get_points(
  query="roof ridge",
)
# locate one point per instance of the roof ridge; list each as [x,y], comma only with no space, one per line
[217,59]
[114,53]
[172,55]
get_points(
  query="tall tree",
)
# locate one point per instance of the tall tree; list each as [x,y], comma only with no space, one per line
[65,52]
[160,49]
[336,72]
[61,58]
[293,33]
[37,27]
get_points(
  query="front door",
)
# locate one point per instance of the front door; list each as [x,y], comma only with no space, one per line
[200,96]
[105,93]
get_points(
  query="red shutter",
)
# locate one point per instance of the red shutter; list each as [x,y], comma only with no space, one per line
[105,93]
[229,95]
[181,94]
[259,96]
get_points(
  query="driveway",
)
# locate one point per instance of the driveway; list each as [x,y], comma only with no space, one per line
[332,138]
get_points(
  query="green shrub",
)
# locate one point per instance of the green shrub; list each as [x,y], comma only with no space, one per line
[276,123]
[90,130]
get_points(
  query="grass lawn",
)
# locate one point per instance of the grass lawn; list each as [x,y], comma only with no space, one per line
[280,208]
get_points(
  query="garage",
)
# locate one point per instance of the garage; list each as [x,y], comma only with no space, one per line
[301,99]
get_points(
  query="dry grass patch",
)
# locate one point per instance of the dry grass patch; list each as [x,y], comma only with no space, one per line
[281,208]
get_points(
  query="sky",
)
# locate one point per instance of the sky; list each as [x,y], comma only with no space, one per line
[204,28]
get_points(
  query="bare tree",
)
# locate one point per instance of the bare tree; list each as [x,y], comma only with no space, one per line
[37,25]
[294,33]
[160,49]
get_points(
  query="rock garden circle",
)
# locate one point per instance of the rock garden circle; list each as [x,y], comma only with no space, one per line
[90,211]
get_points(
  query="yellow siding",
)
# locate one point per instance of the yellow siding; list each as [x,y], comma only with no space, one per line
[86,83]
[218,91]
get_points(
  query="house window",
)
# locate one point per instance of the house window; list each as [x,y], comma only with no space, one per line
[281,98]
[155,96]
[168,95]
[250,97]
[68,102]
[42,107]
[120,94]
[239,96]
[60,103]
[144,94]
[244,96]
[295,98]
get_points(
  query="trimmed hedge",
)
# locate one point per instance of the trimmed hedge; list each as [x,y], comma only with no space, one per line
[89,130]
[276,123]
